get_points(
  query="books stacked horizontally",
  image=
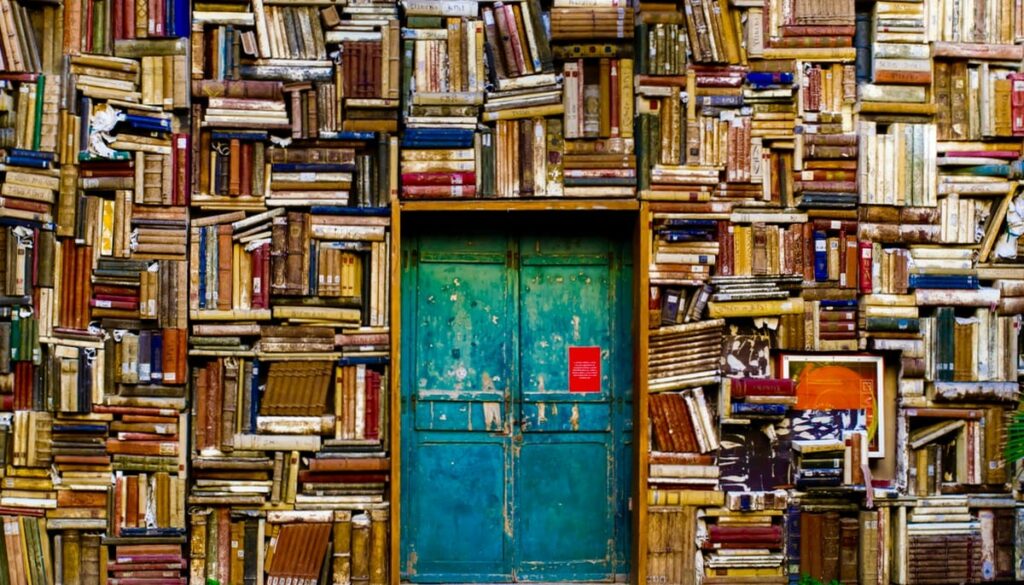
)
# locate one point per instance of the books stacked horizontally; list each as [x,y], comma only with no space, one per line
[943,541]
[743,544]
[310,176]
[900,61]
[751,296]
[685,355]
[819,464]
[685,251]
[445,74]
[760,398]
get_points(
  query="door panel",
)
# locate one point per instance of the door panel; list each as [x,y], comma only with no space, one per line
[458,514]
[507,476]
[459,310]
[565,528]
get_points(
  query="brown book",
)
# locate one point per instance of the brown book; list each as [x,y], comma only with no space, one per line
[224,266]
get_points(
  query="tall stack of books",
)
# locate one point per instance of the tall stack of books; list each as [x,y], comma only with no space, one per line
[593,49]
[296,118]
[524,99]
[443,91]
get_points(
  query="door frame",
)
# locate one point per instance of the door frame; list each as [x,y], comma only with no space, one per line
[632,212]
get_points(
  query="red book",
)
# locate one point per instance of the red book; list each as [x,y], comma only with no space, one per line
[372,407]
[112,304]
[129,19]
[865,267]
[182,164]
[121,567]
[118,10]
[463,178]
[743,387]
[256,302]
[307,476]
[745,533]
[1017,103]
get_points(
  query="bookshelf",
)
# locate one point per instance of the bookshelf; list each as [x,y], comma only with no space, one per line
[200,232]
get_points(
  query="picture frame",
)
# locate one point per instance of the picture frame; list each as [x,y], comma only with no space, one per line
[850,384]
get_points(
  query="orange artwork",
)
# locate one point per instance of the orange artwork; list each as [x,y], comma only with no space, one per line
[839,383]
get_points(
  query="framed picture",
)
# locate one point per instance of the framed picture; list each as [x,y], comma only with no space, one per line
[847,387]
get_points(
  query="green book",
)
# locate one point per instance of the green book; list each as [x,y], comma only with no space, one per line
[15,335]
[37,129]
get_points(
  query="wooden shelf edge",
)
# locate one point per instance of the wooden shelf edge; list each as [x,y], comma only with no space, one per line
[566,204]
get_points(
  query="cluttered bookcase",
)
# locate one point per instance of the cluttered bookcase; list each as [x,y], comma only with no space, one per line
[200,206]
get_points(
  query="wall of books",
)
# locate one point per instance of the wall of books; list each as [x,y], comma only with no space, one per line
[199,206]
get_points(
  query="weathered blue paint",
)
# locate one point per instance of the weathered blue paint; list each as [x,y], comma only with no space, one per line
[506,476]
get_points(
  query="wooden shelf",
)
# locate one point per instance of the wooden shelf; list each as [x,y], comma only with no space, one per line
[562,204]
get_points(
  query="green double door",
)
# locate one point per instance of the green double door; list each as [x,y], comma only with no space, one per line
[516,407]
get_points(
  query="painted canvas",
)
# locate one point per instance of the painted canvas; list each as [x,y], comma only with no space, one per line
[850,383]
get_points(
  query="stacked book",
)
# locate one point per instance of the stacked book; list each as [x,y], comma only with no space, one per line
[685,355]
[943,542]
[682,422]
[683,471]
[760,398]
[820,463]
[444,80]
[743,544]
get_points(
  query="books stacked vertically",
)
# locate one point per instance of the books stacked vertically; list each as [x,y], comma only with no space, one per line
[685,355]
[602,20]
[898,167]
[833,545]
[367,80]
[685,250]
[444,77]
[599,158]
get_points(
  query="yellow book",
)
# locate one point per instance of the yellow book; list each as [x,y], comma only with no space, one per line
[656,497]
[743,236]
[626,98]
[769,308]
[527,112]
[107,228]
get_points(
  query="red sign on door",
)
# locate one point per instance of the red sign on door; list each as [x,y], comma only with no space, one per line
[584,369]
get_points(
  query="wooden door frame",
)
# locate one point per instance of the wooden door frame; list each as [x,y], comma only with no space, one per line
[641,220]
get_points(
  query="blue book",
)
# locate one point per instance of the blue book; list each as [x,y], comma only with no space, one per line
[836,304]
[181,22]
[947,281]
[312,167]
[820,256]
[239,135]
[145,355]
[254,397]
[740,408]
[357,135]
[156,369]
[695,235]
[38,154]
[24,161]
[763,79]
[720,100]
[202,269]
[148,122]
[368,360]
[984,171]
[692,223]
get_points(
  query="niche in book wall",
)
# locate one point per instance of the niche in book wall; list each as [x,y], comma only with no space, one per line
[847,388]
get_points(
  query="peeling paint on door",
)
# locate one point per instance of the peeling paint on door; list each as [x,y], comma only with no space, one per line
[498,455]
